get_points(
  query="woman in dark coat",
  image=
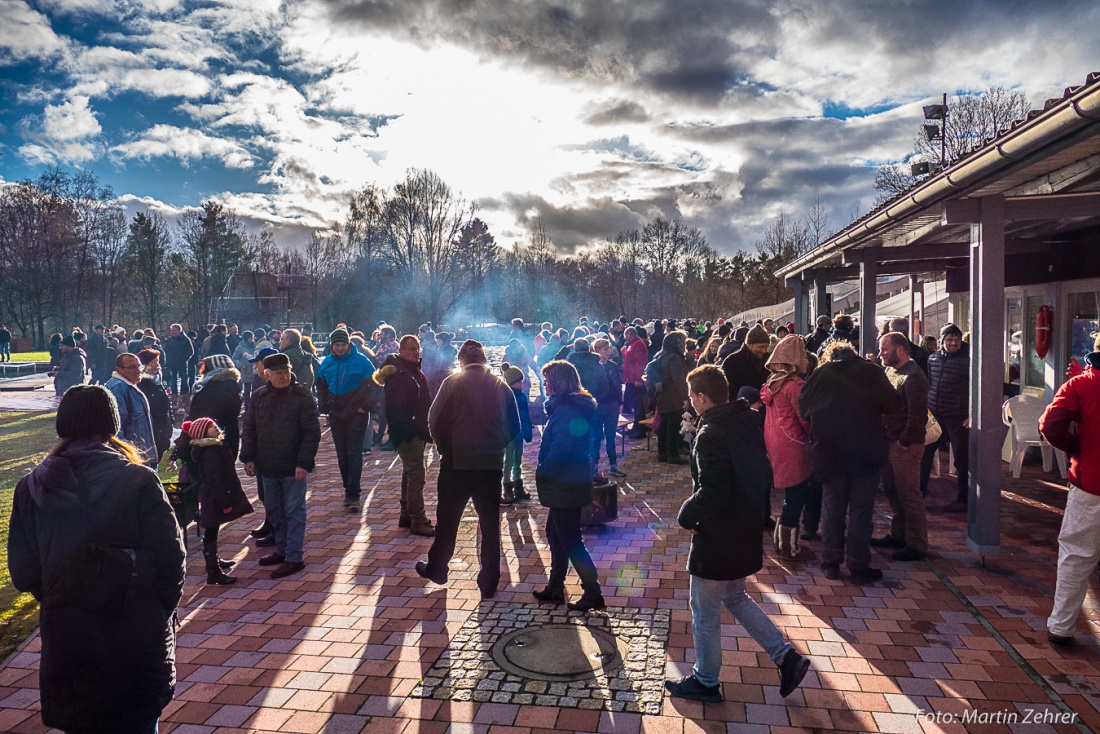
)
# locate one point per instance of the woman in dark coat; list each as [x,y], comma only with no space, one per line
[94,539]
[217,395]
[55,351]
[563,479]
[152,387]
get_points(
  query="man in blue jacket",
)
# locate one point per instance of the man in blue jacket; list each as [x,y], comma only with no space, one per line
[135,418]
[344,391]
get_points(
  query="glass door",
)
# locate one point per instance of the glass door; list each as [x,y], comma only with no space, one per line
[1084,324]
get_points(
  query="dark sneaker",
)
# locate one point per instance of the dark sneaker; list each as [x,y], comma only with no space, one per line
[422,572]
[615,471]
[287,568]
[266,541]
[690,687]
[887,541]
[272,559]
[866,576]
[955,506]
[677,460]
[353,505]
[1060,640]
[808,535]
[550,593]
[387,446]
[831,571]
[263,531]
[404,521]
[908,554]
[791,672]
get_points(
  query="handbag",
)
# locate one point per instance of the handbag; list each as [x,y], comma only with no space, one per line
[932,430]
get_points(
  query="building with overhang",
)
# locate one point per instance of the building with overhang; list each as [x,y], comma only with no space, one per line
[1011,227]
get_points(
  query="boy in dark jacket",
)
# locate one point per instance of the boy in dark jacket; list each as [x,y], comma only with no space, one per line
[730,474]
[607,410]
[513,455]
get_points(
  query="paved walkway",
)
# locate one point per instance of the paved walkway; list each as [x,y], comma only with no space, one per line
[356,641]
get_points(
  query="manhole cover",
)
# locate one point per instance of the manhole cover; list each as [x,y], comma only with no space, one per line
[558,652]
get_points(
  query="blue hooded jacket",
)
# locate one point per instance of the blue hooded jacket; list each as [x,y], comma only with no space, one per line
[344,384]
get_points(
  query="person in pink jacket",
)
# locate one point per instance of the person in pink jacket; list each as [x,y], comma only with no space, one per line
[1072,423]
[635,357]
[786,435]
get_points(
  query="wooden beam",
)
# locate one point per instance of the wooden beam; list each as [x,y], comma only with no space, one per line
[1026,208]
[914,252]
[921,266]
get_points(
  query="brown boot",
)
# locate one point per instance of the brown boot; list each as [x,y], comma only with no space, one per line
[422,527]
[788,542]
[776,540]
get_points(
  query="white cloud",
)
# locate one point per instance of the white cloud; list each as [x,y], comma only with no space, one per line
[185,145]
[68,134]
[26,34]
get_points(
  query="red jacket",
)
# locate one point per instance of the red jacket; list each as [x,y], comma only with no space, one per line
[635,358]
[786,433]
[1077,401]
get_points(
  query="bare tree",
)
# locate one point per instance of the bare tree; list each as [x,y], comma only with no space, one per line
[147,246]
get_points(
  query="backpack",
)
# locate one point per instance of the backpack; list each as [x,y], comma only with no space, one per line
[655,374]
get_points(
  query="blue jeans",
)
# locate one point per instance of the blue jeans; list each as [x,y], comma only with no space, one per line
[5,351]
[707,599]
[607,420]
[285,501]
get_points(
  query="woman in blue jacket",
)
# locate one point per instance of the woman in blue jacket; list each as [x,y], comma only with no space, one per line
[563,479]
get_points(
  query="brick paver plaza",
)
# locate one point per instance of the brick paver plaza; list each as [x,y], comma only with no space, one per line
[358,642]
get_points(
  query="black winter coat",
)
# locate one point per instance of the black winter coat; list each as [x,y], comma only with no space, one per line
[94,539]
[221,497]
[160,410]
[592,374]
[730,476]
[563,476]
[178,350]
[844,401]
[407,399]
[744,369]
[220,399]
[281,431]
[949,383]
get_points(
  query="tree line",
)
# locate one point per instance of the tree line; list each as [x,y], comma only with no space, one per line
[414,253]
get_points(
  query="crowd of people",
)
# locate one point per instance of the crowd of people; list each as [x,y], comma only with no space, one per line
[752,408]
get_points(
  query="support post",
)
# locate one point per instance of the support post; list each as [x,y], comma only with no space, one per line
[868,295]
[800,300]
[821,305]
[987,324]
[913,282]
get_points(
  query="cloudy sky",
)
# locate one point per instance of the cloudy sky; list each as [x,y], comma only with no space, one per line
[591,115]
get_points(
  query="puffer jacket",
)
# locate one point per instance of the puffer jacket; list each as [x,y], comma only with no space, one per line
[407,399]
[786,434]
[473,419]
[281,430]
[949,383]
[344,385]
[563,476]
[94,539]
[635,358]
[844,401]
[730,478]
[72,370]
[218,396]
[160,410]
[221,497]
[1077,402]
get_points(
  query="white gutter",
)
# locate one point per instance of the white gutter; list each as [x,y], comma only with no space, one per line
[1065,118]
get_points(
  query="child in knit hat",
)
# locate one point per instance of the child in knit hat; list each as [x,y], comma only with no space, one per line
[221,497]
[513,455]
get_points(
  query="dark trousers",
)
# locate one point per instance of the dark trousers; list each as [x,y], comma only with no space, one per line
[607,420]
[851,495]
[347,436]
[794,499]
[457,487]
[811,509]
[175,377]
[563,531]
[192,372]
[634,400]
[959,438]
[668,435]
[247,392]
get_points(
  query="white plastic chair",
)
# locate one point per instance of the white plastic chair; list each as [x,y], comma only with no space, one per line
[1021,414]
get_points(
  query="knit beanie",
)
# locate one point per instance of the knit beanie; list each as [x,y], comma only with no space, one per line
[339,335]
[471,352]
[740,333]
[757,335]
[68,342]
[86,411]
[200,427]
[512,375]
[215,361]
[949,330]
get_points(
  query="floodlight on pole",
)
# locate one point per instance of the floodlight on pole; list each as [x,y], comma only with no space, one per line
[938,112]
[931,132]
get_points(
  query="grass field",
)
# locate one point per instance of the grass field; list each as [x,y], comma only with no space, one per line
[30,357]
[24,439]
